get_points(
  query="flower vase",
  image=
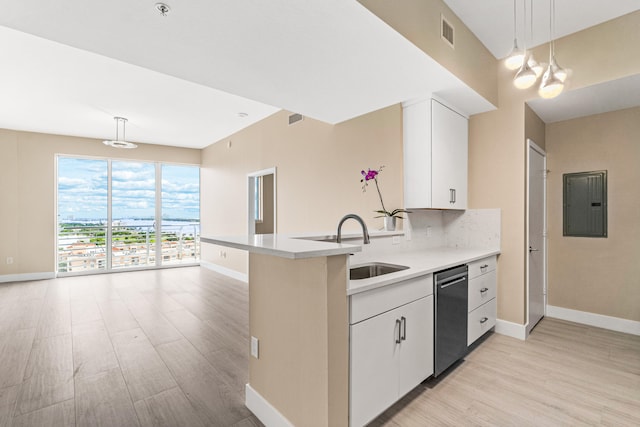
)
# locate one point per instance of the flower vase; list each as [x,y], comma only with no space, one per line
[390,223]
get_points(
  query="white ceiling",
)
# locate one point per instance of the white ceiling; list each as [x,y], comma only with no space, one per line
[492,20]
[331,60]
[69,66]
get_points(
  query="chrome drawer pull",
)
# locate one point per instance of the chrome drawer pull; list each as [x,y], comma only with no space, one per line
[484,319]
[398,324]
[483,290]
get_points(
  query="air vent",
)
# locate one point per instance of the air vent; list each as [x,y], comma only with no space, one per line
[446,31]
[294,118]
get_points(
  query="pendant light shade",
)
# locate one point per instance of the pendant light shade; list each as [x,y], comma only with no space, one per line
[560,73]
[525,77]
[551,85]
[515,58]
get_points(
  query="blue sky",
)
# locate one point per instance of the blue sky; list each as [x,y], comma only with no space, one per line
[82,190]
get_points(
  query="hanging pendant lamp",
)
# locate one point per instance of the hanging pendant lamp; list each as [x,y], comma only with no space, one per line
[515,58]
[120,143]
[553,80]
[525,77]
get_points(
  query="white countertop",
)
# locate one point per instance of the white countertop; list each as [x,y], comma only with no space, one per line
[419,262]
[283,246]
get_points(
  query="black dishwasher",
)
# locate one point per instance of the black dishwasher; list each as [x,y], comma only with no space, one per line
[451,292]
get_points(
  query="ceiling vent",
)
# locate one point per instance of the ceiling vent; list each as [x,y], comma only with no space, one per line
[446,31]
[294,118]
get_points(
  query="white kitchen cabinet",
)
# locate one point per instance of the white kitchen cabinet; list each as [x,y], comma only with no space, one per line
[435,143]
[482,298]
[391,353]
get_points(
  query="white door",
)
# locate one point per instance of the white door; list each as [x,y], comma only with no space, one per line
[375,358]
[416,349]
[536,242]
[449,153]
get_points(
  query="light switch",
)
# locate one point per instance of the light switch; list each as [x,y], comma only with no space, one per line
[254,347]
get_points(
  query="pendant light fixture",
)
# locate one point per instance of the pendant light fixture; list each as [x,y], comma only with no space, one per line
[120,143]
[525,77]
[515,58]
[553,80]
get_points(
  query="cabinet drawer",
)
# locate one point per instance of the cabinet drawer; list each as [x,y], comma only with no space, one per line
[476,323]
[371,303]
[482,289]
[481,266]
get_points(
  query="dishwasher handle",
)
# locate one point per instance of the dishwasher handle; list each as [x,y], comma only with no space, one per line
[455,282]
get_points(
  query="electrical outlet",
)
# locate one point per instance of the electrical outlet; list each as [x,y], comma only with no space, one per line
[428,231]
[395,240]
[9,260]
[254,347]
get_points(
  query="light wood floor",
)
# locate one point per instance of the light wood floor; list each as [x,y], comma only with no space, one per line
[169,348]
[150,348]
[565,374]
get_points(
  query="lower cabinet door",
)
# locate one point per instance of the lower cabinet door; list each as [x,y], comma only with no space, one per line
[374,366]
[416,348]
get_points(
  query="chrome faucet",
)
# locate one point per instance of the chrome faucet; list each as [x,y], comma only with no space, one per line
[365,232]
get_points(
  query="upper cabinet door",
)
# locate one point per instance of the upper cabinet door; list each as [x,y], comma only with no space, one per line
[449,154]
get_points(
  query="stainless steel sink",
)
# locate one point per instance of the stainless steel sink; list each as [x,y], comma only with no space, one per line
[373,269]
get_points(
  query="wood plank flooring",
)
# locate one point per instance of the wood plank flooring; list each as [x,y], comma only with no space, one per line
[170,348]
[565,374]
[148,348]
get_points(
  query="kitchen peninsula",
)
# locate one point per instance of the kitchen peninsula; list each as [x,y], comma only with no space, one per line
[299,296]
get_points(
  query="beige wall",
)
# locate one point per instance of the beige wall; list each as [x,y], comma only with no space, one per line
[318,175]
[497,144]
[597,275]
[299,315]
[28,186]
[534,127]
[419,22]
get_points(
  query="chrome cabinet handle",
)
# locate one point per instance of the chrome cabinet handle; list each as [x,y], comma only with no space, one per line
[403,322]
[532,249]
[483,290]
[484,319]
[398,324]
[454,195]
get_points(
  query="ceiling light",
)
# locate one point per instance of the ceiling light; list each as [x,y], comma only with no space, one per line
[242,115]
[525,77]
[514,60]
[120,143]
[553,80]
[551,86]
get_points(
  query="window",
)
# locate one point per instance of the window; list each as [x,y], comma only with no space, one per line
[115,214]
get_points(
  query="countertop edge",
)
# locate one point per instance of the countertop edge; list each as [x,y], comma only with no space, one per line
[306,248]
[413,272]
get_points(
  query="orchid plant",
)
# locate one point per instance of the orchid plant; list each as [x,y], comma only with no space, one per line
[372,174]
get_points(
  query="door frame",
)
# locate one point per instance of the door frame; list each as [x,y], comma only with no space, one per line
[531,145]
[251,179]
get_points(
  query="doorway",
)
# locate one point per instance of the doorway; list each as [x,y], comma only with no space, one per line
[536,263]
[262,202]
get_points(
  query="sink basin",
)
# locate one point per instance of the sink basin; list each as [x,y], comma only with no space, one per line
[374,269]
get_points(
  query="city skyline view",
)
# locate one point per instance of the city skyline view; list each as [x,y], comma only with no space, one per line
[83,184]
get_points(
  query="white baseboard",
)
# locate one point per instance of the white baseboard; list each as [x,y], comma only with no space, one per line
[27,277]
[510,329]
[593,319]
[262,409]
[226,271]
